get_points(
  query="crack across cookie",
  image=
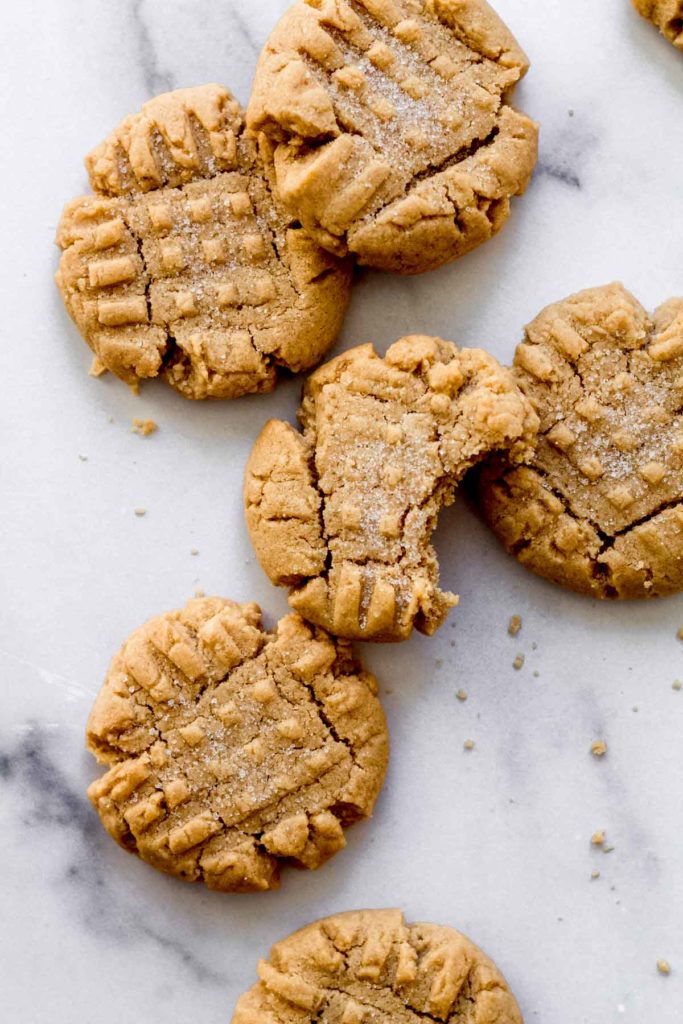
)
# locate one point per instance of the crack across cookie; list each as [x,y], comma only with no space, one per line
[394,140]
[343,514]
[599,507]
[185,264]
[232,750]
[371,967]
[667,15]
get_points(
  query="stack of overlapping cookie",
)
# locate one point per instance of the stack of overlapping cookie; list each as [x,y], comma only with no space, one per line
[217,253]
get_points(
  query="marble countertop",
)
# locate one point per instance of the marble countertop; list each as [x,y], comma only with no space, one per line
[495,841]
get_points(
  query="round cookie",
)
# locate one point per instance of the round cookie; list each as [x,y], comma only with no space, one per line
[184,263]
[370,967]
[394,138]
[599,506]
[232,750]
[667,15]
[343,514]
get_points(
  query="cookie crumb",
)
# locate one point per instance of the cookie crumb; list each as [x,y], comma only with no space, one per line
[97,368]
[143,428]
[461,695]
[607,848]
[199,592]
[664,967]
[598,748]
[676,685]
[679,634]
[518,662]
[514,625]
[536,673]
[469,745]
[140,511]
[595,875]
[598,838]
[194,551]
[83,458]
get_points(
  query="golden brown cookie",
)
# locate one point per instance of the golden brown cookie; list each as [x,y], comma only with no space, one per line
[232,750]
[394,138]
[185,264]
[343,514]
[599,507]
[667,15]
[370,967]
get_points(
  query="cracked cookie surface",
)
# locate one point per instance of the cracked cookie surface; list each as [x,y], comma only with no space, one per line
[184,264]
[667,15]
[599,507]
[394,140]
[343,514]
[232,750]
[371,967]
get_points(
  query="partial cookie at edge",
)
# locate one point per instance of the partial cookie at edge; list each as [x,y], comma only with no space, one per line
[599,509]
[184,263]
[667,15]
[369,966]
[343,513]
[231,751]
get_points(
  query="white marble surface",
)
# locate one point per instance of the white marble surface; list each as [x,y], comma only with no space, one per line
[495,841]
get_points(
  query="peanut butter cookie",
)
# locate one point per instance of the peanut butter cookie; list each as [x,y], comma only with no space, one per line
[394,138]
[343,514]
[599,507]
[370,967]
[667,15]
[232,750]
[185,264]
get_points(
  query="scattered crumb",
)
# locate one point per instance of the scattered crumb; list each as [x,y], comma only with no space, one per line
[598,748]
[676,685]
[607,848]
[110,419]
[635,707]
[439,662]
[679,634]
[571,113]
[536,673]
[469,744]
[598,839]
[595,875]
[664,967]
[514,625]
[199,592]
[194,551]
[144,427]
[83,458]
[140,511]
[461,695]
[518,662]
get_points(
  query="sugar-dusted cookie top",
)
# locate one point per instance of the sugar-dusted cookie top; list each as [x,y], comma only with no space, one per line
[184,264]
[599,506]
[343,514]
[231,750]
[394,138]
[371,967]
[667,15]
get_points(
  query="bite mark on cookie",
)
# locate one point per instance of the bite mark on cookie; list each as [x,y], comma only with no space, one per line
[343,514]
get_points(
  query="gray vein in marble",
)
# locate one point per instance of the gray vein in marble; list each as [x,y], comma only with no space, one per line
[156,80]
[243,30]
[50,802]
